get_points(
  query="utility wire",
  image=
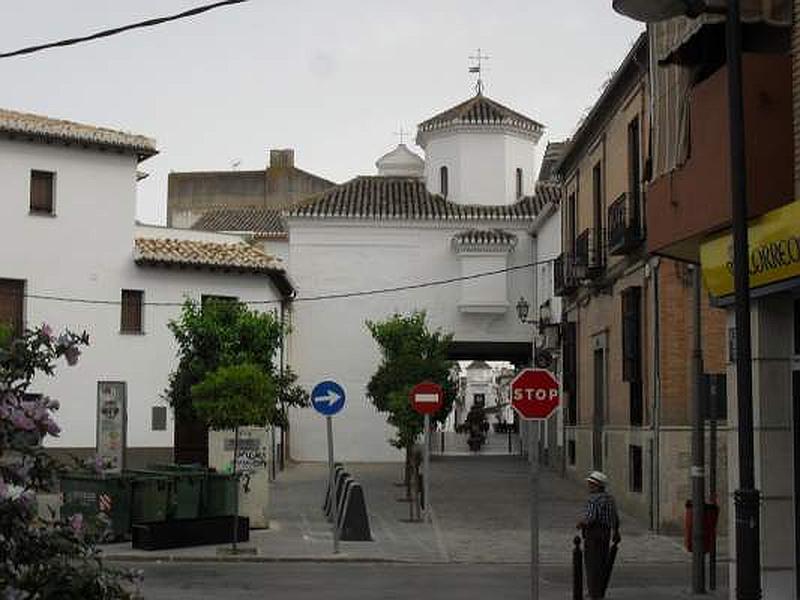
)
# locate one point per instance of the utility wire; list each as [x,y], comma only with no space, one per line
[319,298]
[117,30]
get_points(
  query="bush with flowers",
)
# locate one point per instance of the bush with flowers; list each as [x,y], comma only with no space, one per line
[42,557]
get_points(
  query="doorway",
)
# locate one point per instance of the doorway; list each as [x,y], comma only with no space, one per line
[599,408]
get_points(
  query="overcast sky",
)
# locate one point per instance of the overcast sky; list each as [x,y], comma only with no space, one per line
[333,79]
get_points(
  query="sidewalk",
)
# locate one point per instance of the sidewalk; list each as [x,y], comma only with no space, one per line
[480,515]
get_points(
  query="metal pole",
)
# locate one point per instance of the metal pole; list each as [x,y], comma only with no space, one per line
[746,498]
[698,449]
[712,478]
[533,457]
[426,478]
[235,489]
[334,503]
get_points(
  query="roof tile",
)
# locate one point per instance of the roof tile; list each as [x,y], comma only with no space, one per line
[195,253]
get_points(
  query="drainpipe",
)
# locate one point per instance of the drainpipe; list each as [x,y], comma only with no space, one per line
[656,481]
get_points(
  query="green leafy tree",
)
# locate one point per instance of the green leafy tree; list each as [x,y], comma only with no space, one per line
[235,396]
[410,354]
[225,333]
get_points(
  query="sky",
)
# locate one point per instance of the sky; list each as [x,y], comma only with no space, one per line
[333,79]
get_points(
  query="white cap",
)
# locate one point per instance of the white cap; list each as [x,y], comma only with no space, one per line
[598,477]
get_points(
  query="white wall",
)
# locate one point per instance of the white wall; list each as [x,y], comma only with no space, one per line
[86,251]
[330,338]
[481,165]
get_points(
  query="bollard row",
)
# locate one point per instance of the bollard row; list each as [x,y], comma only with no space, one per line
[345,502]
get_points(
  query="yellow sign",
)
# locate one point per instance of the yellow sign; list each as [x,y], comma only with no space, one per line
[774,252]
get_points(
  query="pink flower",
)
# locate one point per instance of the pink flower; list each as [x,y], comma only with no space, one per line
[47,331]
[71,353]
[52,428]
[21,421]
[76,522]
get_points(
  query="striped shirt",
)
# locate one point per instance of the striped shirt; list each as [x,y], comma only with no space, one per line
[601,510]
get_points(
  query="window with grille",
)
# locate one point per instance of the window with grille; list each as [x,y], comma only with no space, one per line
[12,296]
[443,182]
[42,192]
[519,183]
[131,313]
[571,371]
[632,351]
[634,172]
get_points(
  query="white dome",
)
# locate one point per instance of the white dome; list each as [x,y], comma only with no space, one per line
[400,162]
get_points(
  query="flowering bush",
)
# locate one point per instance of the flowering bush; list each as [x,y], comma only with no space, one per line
[41,557]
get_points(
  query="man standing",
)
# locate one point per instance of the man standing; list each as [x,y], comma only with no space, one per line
[600,525]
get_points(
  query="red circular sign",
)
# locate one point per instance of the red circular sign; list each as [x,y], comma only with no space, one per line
[427,398]
[534,394]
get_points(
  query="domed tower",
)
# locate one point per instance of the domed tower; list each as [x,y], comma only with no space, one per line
[480,152]
[400,162]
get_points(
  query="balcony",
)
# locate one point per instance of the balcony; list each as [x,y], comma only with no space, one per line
[589,254]
[564,281]
[624,227]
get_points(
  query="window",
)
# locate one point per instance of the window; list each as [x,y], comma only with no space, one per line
[572,226]
[571,452]
[634,172]
[635,475]
[42,192]
[443,183]
[12,295]
[598,197]
[158,421]
[131,313]
[632,350]
[519,183]
[571,371]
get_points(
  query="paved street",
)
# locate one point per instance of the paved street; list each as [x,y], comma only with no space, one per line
[305,581]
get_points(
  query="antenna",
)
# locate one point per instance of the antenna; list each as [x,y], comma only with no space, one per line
[401,134]
[477,68]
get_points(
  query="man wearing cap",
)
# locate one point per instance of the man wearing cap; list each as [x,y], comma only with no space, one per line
[600,525]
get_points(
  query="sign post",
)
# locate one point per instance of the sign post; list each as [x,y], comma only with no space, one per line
[427,399]
[534,395]
[328,399]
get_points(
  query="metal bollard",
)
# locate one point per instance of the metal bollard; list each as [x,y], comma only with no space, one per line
[577,570]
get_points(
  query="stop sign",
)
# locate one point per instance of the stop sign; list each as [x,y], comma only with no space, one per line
[427,398]
[534,394]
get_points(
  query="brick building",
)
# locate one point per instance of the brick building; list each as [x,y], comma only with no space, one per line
[627,314]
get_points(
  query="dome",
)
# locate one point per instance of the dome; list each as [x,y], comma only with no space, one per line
[400,162]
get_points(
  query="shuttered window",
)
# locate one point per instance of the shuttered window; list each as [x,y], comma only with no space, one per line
[131,314]
[42,192]
[571,371]
[12,294]
[632,350]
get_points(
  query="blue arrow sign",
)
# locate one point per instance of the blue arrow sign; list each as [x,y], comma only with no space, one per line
[328,398]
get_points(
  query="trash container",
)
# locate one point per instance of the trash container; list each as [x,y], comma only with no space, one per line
[710,517]
[188,488]
[91,495]
[220,495]
[151,497]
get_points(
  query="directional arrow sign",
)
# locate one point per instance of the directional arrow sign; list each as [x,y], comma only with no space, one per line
[328,398]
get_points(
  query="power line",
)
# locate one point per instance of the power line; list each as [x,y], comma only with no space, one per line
[117,30]
[319,298]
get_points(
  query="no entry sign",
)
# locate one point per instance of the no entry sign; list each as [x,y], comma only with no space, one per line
[534,394]
[427,398]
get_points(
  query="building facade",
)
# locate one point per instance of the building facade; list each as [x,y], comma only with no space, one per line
[73,257]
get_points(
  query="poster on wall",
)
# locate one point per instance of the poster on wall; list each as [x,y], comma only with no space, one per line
[111,425]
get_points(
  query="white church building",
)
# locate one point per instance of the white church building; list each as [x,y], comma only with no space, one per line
[389,243]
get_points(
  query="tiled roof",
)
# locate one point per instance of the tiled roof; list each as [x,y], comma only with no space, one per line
[264,222]
[47,129]
[490,237]
[480,110]
[194,253]
[407,198]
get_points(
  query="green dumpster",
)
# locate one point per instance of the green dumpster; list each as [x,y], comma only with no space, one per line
[188,488]
[220,495]
[151,497]
[91,495]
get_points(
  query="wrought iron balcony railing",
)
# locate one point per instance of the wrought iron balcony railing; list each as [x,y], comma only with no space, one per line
[624,226]
[564,281]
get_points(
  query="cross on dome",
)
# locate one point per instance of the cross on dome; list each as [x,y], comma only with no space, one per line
[477,68]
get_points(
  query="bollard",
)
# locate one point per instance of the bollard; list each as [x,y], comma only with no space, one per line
[577,570]
[353,520]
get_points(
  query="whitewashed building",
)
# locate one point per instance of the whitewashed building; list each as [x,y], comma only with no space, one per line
[71,255]
[421,235]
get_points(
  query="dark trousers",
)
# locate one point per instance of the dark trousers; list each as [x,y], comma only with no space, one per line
[596,547]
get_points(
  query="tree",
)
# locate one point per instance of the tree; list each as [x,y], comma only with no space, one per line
[225,333]
[232,397]
[410,354]
[41,557]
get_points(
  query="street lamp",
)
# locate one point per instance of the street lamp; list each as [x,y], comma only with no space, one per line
[747,497]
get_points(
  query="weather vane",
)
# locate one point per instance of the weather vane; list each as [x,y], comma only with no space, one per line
[401,134]
[477,68]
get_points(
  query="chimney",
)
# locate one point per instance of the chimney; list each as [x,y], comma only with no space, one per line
[281,158]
